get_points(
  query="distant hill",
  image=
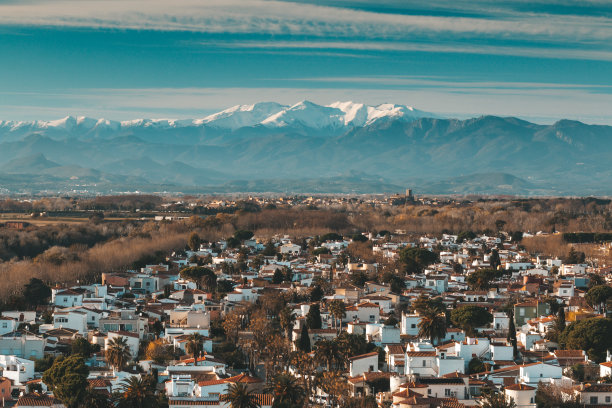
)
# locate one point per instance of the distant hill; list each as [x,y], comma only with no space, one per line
[342,147]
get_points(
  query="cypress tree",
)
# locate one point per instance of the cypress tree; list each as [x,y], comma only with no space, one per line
[512,333]
[303,342]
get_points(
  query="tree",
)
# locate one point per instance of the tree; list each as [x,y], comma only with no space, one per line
[313,317]
[465,236]
[497,400]
[499,224]
[195,346]
[316,293]
[469,317]
[592,335]
[194,241]
[598,295]
[81,346]
[201,276]
[95,399]
[118,352]
[432,325]
[239,396]
[337,308]
[278,277]
[494,259]
[424,303]
[36,292]
[287,391]
[326,352]
[286,319]
[243,234]
[475,366]
[303,342]
[136,393]
[595,280]
[550,396]
[67,378]
[512,333]
[359,278]
[418,258]
[574,257]
[481,279]
[158,351]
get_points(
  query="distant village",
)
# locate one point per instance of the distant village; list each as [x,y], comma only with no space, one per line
[438,321]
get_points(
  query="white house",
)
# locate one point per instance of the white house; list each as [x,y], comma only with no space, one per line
[437,283]
[522,394]
[532,374]
[363,312]
[596,394]
[19,370]
[501,322]
[421,359]
[70,319]
[24,346]
[7,325]
[66,298]
[242,294]
[290,249]
[409,324]
[363,363]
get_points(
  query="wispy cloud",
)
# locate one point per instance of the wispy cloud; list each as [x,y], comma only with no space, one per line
[297,19]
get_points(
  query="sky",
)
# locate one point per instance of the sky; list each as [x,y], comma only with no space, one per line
[126,59]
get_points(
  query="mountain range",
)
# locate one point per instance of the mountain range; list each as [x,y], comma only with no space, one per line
[343,147]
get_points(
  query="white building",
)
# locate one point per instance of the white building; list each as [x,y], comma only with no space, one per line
[523,395]
[363,363]
[66,298]
[17,369]
[70,319]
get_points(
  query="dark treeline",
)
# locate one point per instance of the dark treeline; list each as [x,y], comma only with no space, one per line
[587,237]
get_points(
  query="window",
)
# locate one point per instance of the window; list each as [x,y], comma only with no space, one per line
[447,392]
[424,363]
[413,326]
[371,368]
[541,375]
[65,299]
[593,400]
[521,312]
[607,398]
[4,325]
[429,391]
[531,400]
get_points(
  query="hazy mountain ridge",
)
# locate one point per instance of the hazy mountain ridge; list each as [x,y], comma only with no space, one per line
[394,150]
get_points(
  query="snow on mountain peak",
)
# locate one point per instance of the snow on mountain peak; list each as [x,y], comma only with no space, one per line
[337,115]
[242,115]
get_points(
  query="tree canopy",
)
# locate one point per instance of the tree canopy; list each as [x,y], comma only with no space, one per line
[469,317]
[592,335]
[67,377]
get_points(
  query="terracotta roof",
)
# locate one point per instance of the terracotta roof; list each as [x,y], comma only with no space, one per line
[597,388]
[520,387]
[36,400]
[359,357]
[421,354]
[569,353]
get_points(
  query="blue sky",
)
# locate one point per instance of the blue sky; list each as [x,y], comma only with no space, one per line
[125,59]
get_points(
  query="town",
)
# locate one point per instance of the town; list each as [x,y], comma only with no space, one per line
[372,318]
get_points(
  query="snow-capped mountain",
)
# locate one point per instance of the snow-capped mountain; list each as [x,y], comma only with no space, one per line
[338,115]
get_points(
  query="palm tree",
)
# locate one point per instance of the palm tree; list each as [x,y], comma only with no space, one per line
[326,351]
[118,352]
[337,308]
[432,325]
[287,391]
[286,319]
[239,396]
[136,393]
[195,346]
